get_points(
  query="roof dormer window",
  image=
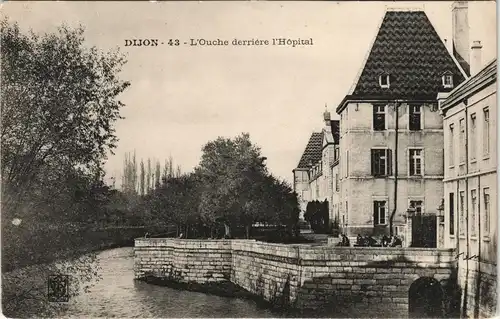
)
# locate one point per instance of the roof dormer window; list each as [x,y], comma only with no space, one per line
[384,81]
[448,80]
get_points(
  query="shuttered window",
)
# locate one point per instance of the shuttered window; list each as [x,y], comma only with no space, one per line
[452,213]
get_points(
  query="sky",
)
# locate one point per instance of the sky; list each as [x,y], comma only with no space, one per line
[183,96]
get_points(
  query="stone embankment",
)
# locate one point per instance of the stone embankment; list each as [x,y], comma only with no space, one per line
[370,280]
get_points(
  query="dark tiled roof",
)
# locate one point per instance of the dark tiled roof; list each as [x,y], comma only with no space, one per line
[475,83]
[335,124]
[312,153]
[409,50]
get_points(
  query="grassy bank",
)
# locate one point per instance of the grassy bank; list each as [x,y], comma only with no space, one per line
[25,246]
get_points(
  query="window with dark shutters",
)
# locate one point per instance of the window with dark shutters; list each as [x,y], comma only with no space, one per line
[451,206]
[389,162]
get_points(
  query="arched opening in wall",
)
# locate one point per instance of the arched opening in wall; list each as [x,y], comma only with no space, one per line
[425,298]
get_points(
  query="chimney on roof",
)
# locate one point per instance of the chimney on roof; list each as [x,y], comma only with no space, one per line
[327,118]
[460,42]
[475,59]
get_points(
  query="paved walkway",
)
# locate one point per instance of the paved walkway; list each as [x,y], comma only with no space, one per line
[319,239]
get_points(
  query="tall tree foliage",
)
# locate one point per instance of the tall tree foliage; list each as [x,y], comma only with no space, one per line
[148,177]
[59,104]
[317,214]
[230,170]
[142,179]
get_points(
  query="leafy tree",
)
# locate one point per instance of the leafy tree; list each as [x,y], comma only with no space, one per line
[175,202]
[59,104]
[157,174]
[148,177]
[142,179]
[317,215]
[228,168]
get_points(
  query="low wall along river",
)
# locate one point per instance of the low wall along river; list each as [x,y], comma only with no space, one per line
[372,280]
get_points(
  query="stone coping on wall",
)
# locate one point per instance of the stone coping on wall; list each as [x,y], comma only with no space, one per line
[303,253]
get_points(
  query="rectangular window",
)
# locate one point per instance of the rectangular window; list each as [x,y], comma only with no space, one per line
[473,201]
[317,190]
[417,205]
[346,163]
[415,118]
[452,213]
[378,117]
[486,132]
[472,143]
[451,145]
[381,162]
[337,183]
[448,81]
[379,212]
[416,160]
[462,214]
[461,138]
[346,213]
[486,218]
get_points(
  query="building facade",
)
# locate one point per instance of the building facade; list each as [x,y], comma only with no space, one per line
[313,177]
[391,132]
[470,185]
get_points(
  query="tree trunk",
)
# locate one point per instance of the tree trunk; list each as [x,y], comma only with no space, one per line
[187,228]
[247,227]
[177,230]
[227,230]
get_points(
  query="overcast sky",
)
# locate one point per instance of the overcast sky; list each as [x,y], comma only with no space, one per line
[182,97]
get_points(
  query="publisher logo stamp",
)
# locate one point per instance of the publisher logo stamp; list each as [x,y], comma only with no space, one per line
[58,288]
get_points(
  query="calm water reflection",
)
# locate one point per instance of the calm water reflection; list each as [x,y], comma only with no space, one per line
[117,294]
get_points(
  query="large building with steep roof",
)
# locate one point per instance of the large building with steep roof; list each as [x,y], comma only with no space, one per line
[391,132]
[313,176]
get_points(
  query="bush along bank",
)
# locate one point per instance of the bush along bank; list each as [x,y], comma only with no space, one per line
[23,247]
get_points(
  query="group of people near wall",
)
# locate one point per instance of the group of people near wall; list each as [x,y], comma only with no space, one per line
[369,241]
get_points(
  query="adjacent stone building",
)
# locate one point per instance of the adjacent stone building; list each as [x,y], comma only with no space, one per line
[391,133]
[470,185]
[314,175]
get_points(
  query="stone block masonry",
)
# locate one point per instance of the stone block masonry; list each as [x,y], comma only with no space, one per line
[183,260]
[365,280]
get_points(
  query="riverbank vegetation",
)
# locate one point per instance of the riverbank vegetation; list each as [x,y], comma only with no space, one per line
[230,194]
[60,101]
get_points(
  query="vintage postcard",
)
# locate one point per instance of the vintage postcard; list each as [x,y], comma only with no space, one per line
[249,159]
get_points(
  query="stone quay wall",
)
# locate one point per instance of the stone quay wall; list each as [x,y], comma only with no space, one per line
[481,292]
[361,280]
[198,261]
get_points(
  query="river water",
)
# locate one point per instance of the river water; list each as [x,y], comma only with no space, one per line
[117,294]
